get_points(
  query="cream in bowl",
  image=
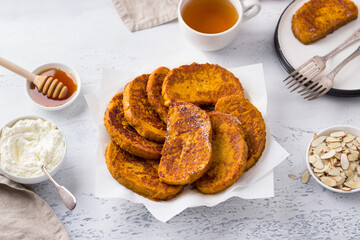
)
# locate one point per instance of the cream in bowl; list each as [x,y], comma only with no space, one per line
[28,143]
[333,158]
[64,74]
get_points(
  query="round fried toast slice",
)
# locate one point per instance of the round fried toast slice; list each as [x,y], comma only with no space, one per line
[124,135]
[138,174]
[229,154]
[153,89]
[251,122]
[186,154]
[200,84]
[139,113]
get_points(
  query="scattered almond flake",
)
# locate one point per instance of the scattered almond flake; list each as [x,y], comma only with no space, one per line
[343,174]
[316,170]
[340,183]
[326,161]
[318,164]
[348,138]
[333,171]
[346,151]
[349,173]
[353,157]
[352,166]
[353,147]
[332,161]
[355,152]
[350,178]
[328,181]
[326,167]
[332,139]
[347,189]
[338,134]
[319,148]
[352,184]
[334,145]
[358,169]
[340,168]
[305,177]
[358,139]
[319,174]
[339,149]
[356,143]
[292,176]
[337,178]
[356,178]
[337,164]
[325,149]
[312,159]
[344,161]
[338,155]
[349,144]
[317,141]
[329,154]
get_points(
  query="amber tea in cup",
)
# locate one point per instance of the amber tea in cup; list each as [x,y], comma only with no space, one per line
[210,16]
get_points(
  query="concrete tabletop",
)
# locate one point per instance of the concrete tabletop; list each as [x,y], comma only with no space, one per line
[89,35]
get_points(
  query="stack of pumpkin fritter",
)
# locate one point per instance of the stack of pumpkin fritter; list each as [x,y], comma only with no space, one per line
[163,139]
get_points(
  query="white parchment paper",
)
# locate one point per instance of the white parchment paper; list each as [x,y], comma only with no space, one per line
[256,183]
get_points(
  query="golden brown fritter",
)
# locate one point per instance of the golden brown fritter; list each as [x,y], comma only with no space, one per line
[200,84]
[124,135]
[138,174]
[153,90]
[139,113]
[318,18]
[186,153]
[251,122]
[229,154]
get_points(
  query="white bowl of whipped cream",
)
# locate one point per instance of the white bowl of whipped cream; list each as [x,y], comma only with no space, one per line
[27,143]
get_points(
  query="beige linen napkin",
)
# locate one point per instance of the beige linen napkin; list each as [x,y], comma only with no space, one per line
[142,14]
[24,215]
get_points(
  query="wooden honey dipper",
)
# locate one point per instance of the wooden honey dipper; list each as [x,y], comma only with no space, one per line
[47,85]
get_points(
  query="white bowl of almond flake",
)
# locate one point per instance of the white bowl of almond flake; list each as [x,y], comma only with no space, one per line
[27,143]
[333,159]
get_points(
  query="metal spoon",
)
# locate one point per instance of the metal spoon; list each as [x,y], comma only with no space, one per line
[66,196]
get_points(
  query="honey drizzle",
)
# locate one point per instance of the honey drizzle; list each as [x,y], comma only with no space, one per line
[66,78]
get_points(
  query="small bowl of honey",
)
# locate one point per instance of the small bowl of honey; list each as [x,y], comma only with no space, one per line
[65,74]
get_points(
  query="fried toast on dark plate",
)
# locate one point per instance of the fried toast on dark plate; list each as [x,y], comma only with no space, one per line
[318,18]
[138,174]
[186,154]
[139,113]
[251,122]
[200,84]
[124,135]
[229,154]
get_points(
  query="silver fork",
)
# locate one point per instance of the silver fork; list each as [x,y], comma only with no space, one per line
[324,83]
[314,66]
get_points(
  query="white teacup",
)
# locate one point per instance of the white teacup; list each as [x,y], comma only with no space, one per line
[246,9]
